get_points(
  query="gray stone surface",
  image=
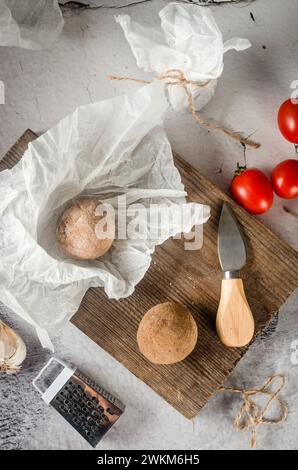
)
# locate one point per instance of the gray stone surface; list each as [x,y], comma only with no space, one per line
[42,87]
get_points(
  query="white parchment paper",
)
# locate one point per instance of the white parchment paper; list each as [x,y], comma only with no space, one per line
[188,40]
[31,24]
[117,146]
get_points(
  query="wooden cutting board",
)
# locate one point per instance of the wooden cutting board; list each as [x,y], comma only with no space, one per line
[192,278]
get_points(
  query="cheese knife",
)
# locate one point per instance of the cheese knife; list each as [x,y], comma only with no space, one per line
[234,322]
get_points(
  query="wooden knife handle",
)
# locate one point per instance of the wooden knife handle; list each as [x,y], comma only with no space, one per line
[234,322]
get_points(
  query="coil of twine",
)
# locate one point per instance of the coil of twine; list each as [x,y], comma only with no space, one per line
[251,415]
[175,77]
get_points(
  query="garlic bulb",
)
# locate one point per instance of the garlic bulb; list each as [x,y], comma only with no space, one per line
[12,349]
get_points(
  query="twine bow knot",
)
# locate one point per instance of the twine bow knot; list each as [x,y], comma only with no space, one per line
[176,77]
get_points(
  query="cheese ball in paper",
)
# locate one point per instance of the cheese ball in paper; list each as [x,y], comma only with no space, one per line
[167,333]
[77,236]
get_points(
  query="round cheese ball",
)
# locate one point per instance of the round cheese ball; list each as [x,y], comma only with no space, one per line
[167,333]
[76,235]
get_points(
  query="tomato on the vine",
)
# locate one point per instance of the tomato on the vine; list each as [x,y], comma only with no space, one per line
[252,190]
[288,120]
[284,179]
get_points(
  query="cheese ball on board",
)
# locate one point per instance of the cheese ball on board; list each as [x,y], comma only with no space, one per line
[167,333]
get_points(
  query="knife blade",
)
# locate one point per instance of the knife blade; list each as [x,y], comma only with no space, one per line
[231,244]
[234,321]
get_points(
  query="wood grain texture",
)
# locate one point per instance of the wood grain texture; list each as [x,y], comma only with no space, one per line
[192,278]
[235,324]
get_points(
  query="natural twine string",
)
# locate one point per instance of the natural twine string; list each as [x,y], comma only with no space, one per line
[177,77]
[250,415]
[6,367]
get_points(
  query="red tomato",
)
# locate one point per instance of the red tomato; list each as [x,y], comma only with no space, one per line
[288,121]
[284,179]
[253,191]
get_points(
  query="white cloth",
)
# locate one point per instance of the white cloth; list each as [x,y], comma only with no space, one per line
[115,146]
[31,24]
[189,40]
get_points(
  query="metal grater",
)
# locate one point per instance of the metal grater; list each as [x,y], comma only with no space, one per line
[90,409]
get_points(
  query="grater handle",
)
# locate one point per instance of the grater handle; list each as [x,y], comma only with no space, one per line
[52,359]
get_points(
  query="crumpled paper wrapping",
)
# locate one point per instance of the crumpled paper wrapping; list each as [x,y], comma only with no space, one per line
[188,40]
[117,146]
[31,24]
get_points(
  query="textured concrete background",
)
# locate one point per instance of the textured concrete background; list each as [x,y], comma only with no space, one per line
[42,87]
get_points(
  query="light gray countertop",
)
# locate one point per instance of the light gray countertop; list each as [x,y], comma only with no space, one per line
[40,88]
